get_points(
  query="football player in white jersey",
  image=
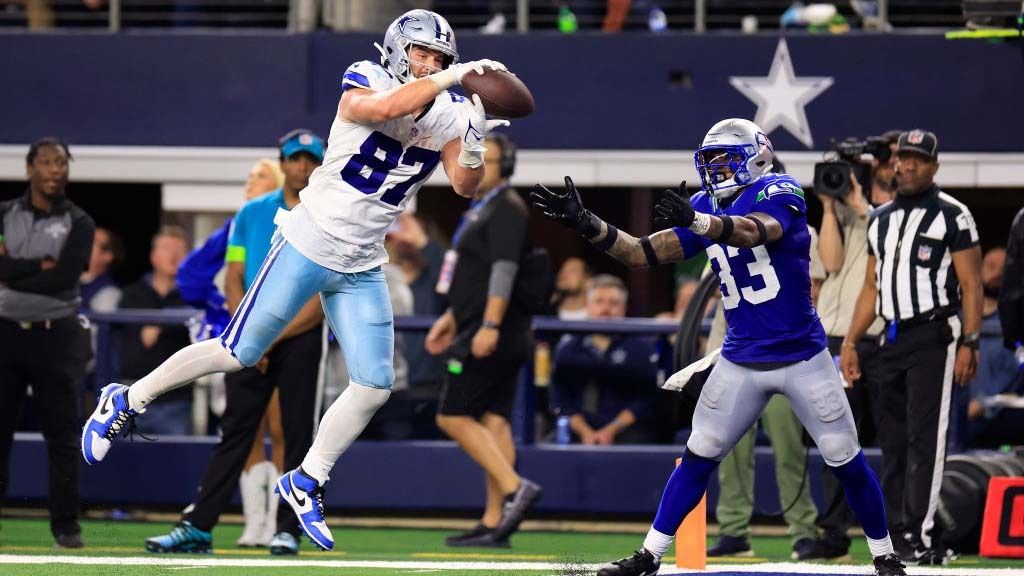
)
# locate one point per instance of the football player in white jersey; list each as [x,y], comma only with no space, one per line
[396,121]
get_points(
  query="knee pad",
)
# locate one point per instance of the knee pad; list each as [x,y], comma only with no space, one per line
[838,449]
[707,444]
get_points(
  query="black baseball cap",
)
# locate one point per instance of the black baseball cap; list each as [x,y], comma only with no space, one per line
[920,142]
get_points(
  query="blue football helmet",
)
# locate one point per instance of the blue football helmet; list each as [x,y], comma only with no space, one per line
[735,154]
[422,28]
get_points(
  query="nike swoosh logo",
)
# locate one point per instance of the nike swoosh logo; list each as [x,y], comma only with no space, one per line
[105,406]
[295,492]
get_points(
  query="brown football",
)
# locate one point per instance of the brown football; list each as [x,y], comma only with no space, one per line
[502,94]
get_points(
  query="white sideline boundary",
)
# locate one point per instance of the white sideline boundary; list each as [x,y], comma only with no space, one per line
[491,566]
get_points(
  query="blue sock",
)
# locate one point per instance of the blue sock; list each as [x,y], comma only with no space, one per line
[683,492]
[864,495]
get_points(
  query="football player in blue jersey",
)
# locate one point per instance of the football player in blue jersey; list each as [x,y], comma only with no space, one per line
[753,226]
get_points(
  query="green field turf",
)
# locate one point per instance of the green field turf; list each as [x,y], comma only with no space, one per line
[549,552]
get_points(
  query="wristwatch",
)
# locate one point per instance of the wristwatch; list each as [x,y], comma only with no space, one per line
[490,324]
[972,340]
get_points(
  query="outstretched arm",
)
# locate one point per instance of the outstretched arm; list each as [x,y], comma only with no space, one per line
[367,106]
[567,209]
[674,209]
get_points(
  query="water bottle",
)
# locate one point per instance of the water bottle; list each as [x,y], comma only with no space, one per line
[567,23]
[562,432]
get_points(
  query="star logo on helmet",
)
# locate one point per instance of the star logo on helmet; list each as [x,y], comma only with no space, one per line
[405,20]
[782,96]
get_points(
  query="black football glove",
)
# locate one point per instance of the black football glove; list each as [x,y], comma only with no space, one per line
[566,208]
[674,209]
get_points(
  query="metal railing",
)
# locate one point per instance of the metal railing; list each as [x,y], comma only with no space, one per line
[517,15]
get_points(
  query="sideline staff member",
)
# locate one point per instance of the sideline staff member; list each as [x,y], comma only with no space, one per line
[486,336]
[45,244]
[923,247]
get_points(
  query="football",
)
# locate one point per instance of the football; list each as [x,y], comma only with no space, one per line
[502,94]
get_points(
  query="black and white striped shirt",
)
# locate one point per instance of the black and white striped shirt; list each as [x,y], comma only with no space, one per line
[912,239]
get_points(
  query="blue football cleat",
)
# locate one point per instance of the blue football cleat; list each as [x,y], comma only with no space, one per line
[110,418]
[184,537]
[306,497]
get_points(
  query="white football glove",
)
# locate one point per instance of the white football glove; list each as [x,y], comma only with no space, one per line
[475,133]
[679,380]
[454,74]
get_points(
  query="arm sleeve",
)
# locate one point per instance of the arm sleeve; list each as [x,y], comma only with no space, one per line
[645,373]
[73,259]
[961,231]
[366,74]
[15,268]
[570,374]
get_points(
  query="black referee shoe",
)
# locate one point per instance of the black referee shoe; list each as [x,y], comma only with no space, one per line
[641,563]
[889,565]
[515,508]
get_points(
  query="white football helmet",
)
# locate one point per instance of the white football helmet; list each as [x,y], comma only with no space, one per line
[735,154]
[420,27]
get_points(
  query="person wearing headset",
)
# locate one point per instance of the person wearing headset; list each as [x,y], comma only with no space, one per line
[485,338]
[843,247]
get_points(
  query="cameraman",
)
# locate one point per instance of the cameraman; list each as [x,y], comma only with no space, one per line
[843,247]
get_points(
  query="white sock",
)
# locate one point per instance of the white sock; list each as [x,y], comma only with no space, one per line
[657,543]
[340,426]
[184,366]
[880,547]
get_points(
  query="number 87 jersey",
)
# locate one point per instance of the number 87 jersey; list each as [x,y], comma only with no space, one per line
[369,174]
[766,290]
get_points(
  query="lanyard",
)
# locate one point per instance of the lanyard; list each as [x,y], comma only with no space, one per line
[470,215]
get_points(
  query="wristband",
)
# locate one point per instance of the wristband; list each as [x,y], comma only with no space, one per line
[727,226]
[649,253]
[604,244]
[701,223]
[471,158]
[490,324]
[762,232]
[445,79]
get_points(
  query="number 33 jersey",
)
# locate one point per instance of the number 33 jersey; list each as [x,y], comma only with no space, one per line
[766,290]
[369,174]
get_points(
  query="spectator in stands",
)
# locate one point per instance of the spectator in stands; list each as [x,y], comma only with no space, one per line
[990,425]
[420,256]
[736,473]
[570,298]
[99,292]
[143,348]
[195,280]
[622,368]
[486,338]
[293,361]
[843,249]
[45,241]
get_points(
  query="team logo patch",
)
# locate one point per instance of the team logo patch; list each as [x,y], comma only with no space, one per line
[776,188]
[56,230]
[915,137]
[305,139]
[924,253]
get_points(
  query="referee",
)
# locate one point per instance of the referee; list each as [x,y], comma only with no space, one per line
[922,252]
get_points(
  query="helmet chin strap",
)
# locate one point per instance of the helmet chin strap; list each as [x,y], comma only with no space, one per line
[383,54]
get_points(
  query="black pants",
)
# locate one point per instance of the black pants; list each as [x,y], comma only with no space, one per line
[293,366]
[915,394]
[51,360]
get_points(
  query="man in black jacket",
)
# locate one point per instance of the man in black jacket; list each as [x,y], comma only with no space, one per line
[486,338]
[45,243]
